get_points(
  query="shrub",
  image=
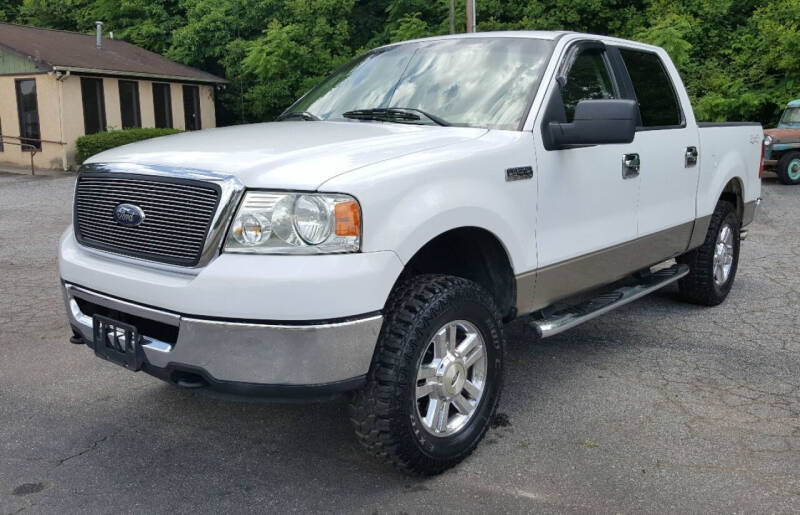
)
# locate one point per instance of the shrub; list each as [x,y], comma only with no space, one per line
[92,144]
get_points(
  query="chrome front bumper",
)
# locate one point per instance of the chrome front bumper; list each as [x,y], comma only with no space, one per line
[243,352]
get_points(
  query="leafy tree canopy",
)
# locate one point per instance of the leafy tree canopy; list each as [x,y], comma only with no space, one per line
[738,58]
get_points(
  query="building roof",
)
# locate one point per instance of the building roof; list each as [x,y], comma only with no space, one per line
[58,50]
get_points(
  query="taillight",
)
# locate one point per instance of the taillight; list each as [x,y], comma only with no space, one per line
[763,151]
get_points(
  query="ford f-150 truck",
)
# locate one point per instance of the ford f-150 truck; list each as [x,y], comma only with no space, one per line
[376,238]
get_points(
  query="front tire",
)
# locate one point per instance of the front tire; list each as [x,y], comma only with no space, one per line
[789,168]
[713,265]
[436,376]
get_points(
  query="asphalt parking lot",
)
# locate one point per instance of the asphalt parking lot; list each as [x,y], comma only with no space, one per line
[657,407]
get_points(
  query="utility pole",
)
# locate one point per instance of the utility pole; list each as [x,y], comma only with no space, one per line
[452,16]
[471,22]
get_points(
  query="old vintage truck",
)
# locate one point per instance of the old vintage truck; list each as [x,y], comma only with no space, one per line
[377,239]
[782,146]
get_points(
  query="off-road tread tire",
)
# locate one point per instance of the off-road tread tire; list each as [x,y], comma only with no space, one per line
[698,286]
[376,410]
[783,168]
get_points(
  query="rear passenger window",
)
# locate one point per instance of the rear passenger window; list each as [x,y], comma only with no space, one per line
[657,101]
[588,79]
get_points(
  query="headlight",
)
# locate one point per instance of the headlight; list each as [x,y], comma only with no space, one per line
[768,141]
[295,223]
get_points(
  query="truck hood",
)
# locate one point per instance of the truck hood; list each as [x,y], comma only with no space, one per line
[287,155]
[784,135]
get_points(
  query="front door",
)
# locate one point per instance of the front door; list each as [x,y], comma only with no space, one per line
[586,204]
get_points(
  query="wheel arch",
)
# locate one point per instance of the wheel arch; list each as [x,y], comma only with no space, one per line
[473,253]
[733,192]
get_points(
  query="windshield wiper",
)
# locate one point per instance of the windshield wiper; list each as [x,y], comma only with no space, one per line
[303,115]
[393,114]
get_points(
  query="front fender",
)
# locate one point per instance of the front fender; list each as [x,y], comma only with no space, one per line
[417,229]
[408,202]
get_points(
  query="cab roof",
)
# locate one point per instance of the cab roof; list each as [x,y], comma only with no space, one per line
[533,34]
[550,35]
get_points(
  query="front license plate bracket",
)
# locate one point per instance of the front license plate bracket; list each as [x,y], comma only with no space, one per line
[117,342]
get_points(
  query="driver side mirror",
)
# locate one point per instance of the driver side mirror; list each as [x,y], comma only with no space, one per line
[596,122]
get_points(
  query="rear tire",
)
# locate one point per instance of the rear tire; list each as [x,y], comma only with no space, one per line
[713,265]
[436,376]
[789,168]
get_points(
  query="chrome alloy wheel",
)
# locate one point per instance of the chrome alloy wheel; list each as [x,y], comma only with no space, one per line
[451,378]
[723,255]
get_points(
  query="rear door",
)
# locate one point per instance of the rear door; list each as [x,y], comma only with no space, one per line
[667,143]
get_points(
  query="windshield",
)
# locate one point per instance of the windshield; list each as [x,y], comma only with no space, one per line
[480,82]
[791,116]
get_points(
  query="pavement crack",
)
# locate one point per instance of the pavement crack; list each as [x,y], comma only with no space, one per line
[91,447]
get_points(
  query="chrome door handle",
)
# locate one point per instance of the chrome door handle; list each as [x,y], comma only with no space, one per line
[630,166]
[691,156]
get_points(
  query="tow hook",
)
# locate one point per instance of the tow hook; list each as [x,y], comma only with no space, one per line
[189,380]
[76,337]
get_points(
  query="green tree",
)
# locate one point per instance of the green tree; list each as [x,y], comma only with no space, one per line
[670,32]
[411,26]
[738,58]
[147,23]
[296,52]
[8,10]
[54,14]
[215,38]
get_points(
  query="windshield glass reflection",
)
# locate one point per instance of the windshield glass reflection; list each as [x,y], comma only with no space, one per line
[480,82]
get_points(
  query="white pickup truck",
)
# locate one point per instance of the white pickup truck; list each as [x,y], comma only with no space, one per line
[378,236]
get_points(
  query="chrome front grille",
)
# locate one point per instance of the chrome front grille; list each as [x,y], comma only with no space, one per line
[177,214]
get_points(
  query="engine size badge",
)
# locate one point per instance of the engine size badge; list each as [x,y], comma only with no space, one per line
[519,173]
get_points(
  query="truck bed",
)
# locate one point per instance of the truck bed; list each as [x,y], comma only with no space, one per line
[725,148]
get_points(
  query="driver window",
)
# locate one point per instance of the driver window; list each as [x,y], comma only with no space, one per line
[588,79]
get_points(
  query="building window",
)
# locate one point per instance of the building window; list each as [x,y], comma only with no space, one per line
[28,110]
[129,104]
[94,105]
[191,107]
[162,102]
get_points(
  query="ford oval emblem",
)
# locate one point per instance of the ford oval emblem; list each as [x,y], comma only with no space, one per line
[128,215]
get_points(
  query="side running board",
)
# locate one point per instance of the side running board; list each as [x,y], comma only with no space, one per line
[569,317]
